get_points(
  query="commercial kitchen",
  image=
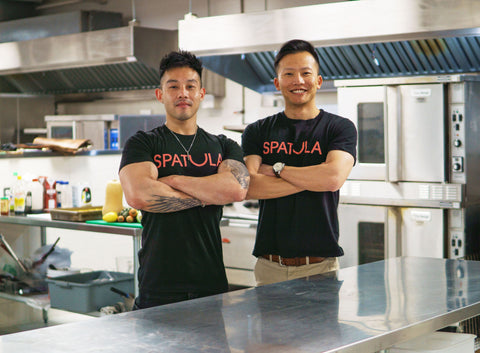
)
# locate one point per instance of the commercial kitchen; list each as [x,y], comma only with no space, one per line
[407,73]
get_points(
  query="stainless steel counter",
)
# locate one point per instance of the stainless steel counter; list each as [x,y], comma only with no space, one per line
[358,309]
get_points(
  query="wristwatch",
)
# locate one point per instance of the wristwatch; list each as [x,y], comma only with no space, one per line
[277,168]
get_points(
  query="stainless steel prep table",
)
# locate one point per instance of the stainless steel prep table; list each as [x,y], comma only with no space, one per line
[135,233]
[357,309]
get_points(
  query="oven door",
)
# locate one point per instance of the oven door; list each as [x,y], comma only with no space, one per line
[366,107]
[62,129]
[373,233]
[401,131]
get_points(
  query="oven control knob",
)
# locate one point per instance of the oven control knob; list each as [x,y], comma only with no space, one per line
[457,166]
[457,143]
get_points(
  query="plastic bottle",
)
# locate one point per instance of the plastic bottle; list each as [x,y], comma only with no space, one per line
[76,195]
[4,206]
[37,196]
[19,194]
[28,196]
[28,202]
[7,192]
[86,199]
[67,194]
[59,188]
[50,194]
[81,195]
[10,195]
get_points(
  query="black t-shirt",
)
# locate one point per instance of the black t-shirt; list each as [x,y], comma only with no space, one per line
[305,223]
[181,251]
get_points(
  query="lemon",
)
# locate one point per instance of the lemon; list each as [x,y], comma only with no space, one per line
[110,217]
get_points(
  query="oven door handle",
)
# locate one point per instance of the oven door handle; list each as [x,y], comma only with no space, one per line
[394,133]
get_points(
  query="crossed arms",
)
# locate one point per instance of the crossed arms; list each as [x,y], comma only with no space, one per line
[328,176]
[178,192]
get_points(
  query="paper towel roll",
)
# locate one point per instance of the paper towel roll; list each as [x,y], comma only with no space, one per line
[113,197]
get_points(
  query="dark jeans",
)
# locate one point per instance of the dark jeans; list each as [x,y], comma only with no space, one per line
[148,300]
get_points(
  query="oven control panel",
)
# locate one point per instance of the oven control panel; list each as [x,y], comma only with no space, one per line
[456,234]
[457,143]
[456,246]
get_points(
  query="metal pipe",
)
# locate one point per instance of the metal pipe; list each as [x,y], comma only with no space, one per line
[134,15]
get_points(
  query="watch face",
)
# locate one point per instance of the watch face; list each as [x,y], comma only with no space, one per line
[277,168]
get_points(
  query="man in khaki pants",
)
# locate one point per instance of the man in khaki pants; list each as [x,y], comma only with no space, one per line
[298,159]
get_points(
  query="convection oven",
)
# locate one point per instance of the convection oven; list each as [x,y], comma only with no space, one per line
[415,188]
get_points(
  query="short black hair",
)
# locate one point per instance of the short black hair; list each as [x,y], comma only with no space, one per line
[180,58]
[295,46]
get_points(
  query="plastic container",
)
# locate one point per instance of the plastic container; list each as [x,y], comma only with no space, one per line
[51,273]
[67,194]
[19,195]
[59,188]
[11,191]
[5,206]
[88,292]
[81,195]
[37,196]
[438,342]
[50,194]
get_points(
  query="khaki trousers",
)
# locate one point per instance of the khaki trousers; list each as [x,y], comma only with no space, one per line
[267,272]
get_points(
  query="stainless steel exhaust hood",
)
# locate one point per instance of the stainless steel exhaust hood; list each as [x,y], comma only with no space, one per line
[354,39]
[123,58]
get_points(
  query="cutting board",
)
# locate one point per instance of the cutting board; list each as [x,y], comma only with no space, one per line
[119,224]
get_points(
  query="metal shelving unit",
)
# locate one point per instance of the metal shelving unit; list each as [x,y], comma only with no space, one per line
[43,224]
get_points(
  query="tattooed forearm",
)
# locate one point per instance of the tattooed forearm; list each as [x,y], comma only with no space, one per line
[165,204]
[239,171]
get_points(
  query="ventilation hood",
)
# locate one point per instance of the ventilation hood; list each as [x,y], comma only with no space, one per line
[123,58]
[354,39]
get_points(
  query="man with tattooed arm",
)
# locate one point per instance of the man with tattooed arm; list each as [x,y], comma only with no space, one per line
[180,176]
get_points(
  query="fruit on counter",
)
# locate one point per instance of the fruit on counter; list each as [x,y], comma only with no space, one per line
[113,197]
[110,217]
[130,215]
[125,212]
[132,212]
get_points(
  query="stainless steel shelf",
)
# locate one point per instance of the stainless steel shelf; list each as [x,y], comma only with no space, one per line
[135,233]
[36,222]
